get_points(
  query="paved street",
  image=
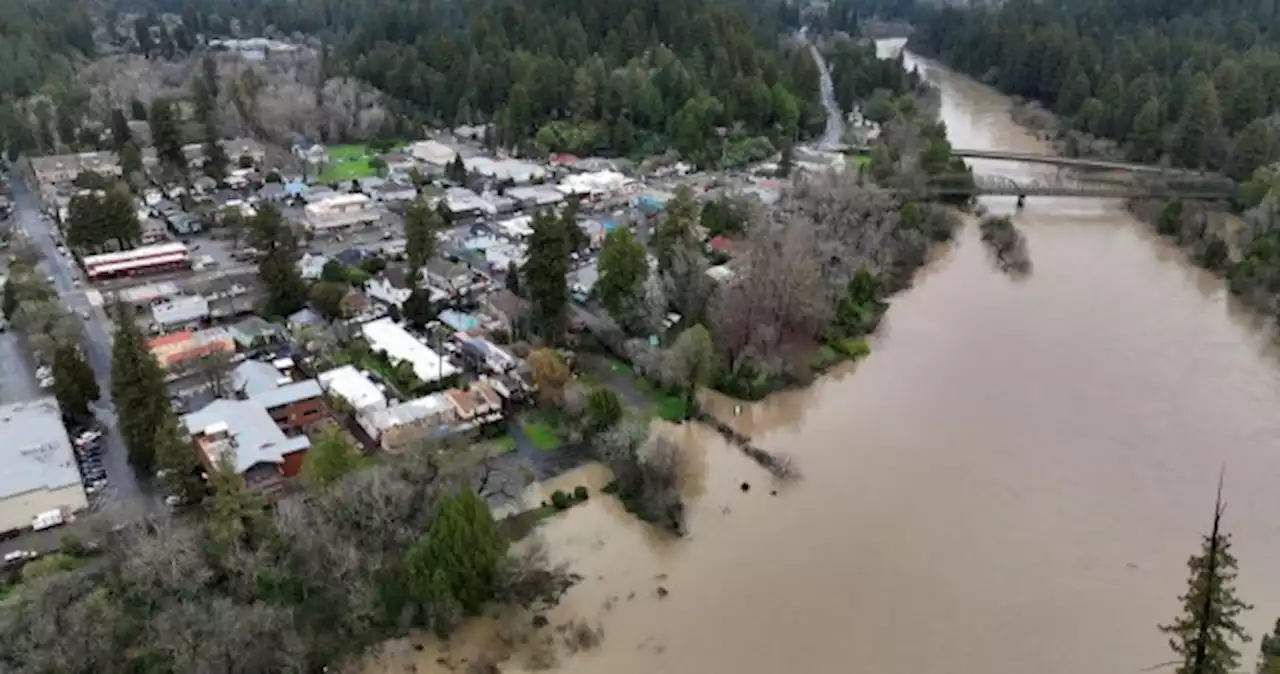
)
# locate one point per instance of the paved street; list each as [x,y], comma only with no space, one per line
[124,489]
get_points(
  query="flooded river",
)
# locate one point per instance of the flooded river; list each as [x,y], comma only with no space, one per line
[1010,483]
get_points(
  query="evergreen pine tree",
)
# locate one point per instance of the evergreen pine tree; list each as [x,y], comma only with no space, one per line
[138,391]
[120,134]
[74,384]
[545,275]
[166,136]
[1202,636]
[1200,125]
[1269,653]
[286,291]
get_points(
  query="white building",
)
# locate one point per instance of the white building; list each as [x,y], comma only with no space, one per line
[341,212]
[390,338]
[40,471]
[403,424]
[536,196]
[432,152]
[513,170]
[517,228]
[598,185]
[356,390]
[462,201]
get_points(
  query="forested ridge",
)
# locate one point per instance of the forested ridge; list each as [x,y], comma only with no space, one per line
[40,42]
[1195,83]
[633,77]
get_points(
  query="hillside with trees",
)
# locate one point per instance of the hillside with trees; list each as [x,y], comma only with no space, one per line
[626,78]
[1191,83]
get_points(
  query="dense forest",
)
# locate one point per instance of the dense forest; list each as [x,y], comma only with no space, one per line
[1193,83]
[40,42]
[629,78]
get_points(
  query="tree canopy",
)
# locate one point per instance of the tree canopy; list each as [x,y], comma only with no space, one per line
[1183,80]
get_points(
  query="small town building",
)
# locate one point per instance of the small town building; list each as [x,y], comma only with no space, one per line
[344,211]
[180,313]
[186,346]
[40,472]
[244,433]
[399,346]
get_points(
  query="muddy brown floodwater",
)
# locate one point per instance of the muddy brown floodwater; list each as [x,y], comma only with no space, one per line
[1010,483]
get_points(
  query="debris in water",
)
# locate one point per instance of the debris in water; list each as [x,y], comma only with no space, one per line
[540,621]
[662,592]
[746,487]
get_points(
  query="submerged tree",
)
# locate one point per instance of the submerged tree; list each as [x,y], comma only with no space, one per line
[1203,635]
[1269,653]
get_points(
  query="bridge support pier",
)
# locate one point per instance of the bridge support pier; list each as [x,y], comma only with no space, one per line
[1022,200]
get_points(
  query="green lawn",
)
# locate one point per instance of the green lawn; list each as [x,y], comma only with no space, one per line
[671,408]
[542,435]
[347,162]
[502,444]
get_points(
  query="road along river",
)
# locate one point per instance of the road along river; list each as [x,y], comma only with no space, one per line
[1010,484]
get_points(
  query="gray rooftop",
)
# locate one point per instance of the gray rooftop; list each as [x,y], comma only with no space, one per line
[257,438]
[254,376]
[36,453]
[180,311]
[287,394]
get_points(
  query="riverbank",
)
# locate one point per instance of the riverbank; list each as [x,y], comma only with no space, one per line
[1014,462]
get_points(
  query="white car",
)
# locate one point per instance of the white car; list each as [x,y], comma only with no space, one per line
[20,555]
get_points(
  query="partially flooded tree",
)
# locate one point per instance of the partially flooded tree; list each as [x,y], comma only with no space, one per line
[1006,244]
[647,474]
[691,362]
[1204,637]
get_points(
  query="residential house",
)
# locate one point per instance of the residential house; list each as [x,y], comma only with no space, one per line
[273,193]
[458,321]
[184,224]
[398,163]
[462,202]
[204,184]
[476,404]
[242,433]
[507,307]
[183,347]
[392,288]
[449,276]
[304,318]
[311,266]
[538,196]
[499,203]
[340,212]
[486,356]
[391,339]
[255,376]
[392,192]
[357,393]
[253,332]
[293,407]
[399,426]
[180,313]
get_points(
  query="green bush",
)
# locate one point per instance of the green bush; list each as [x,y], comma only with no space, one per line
[560,500]
[853,347]
[579,493]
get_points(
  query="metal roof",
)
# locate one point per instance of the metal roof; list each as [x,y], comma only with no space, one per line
[36,453]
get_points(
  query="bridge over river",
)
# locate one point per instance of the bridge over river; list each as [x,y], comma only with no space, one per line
[1212,188]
